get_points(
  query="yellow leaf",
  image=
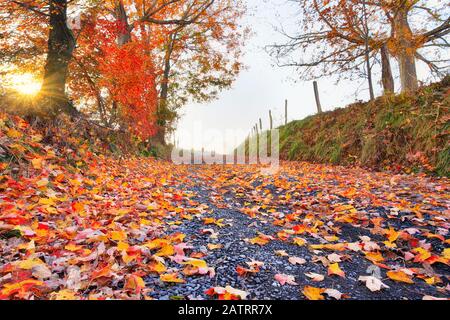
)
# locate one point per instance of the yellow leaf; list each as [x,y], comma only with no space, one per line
[374,256]
[196,263]
[127,258]
[65,294]
[392,234]
[166,250]
[42,183]
[171,277]
[422,254]
[47,201]
[346,207]
[37,163]
[122,246]
[336,270]
[29,264]
[18,147]
[299,241]
[212,246]
[73,247]
[259,240]
[218,223]
[446,253]
[156,243]
[27,246]
[36,138]
[313,293]
[329,246]
[157,267]
[118,235]
[11,288]
[13,133]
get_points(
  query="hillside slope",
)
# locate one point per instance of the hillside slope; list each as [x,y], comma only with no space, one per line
[408,133]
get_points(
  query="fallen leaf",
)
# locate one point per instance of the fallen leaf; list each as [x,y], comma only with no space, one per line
[333,257]
[312,293]
[333,293]
[315,276]
[171,278]
[299,241]
[296,260]
[134,283]
[399,276]
[214,246]
[281,253]
[334,269]
[372,283]
[285,279]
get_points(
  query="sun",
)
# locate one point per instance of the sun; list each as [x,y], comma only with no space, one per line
[25,84]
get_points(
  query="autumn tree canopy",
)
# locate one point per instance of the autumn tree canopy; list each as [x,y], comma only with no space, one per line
[338,37]
[121,61]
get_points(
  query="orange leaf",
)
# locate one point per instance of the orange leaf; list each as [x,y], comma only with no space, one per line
[336,270]
[134,283]
[374,256]
[102,272]
[171,277]
[312,293]
[399,276]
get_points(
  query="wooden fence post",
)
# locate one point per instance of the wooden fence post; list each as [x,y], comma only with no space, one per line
[316,93]
[285,111]
[271,120]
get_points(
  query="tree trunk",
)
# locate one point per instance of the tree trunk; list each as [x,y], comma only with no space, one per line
[369,75]
[123,37]
[367,54]
[121,16]
[386,71]
[164,94]
[61,44]
[408,73]
[406,52]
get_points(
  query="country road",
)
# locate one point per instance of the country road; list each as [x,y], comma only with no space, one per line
[145,229]
[367,223]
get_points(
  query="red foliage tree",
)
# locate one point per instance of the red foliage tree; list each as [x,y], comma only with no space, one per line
[128,74]
[125,73]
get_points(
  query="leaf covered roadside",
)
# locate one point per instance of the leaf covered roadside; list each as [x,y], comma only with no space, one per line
[76,225]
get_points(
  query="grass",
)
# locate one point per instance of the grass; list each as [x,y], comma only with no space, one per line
[408,132]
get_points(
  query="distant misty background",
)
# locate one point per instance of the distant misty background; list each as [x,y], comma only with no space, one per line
[264,86]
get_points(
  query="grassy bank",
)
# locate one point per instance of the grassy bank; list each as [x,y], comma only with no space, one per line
[408,133]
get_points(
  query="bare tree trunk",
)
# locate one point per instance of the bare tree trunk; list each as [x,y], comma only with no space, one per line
[369,76]
[367,53]
[386,71]
[406,54]
[61,44]
[164,93]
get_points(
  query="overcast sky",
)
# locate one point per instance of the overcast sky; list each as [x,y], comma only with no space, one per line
[260,88]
